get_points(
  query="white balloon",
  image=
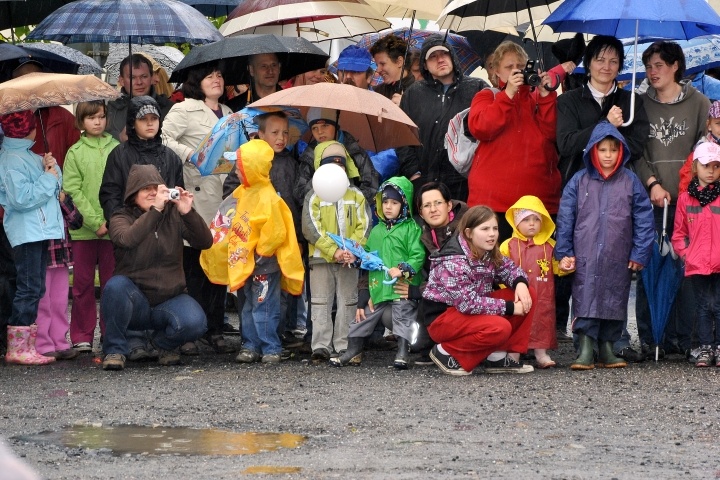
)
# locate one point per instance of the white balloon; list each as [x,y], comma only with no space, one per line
[330,182]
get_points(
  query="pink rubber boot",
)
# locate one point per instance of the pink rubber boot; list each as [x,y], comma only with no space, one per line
[21,347]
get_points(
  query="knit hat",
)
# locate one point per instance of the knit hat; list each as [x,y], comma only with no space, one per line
[317,114]
[714,110]
[707,152]
[146,109]
[334,153]
[434,49]
[354,59]
[391,193]
[522,213]
[17,124]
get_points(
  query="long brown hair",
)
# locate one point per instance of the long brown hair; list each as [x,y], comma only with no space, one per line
[475,216]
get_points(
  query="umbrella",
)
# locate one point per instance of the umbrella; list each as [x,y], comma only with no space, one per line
[316,20]
[232,131]
[167,57]
[701,53]
[428,9]
[124,21]
[469,59]
[296,55]
[19,13]
[368,260]
[38,90]
[213,8]
[661,278]
[11,56]
[375,121]
[676,20]
[88,66]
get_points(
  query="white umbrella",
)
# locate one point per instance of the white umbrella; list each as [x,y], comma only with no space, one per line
[167,57]
[427,10]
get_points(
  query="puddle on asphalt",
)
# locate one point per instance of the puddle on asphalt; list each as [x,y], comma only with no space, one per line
[132,439]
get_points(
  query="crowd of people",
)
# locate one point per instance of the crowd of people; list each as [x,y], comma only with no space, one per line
[559,211]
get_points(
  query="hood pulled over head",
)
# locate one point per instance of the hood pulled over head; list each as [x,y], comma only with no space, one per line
[438,40]
[141,176]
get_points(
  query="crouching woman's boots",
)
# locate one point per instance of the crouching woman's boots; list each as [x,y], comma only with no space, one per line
[585,359]
[403,352]
[608,358]
[355,347]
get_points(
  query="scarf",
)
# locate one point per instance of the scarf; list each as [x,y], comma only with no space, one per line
[704,195]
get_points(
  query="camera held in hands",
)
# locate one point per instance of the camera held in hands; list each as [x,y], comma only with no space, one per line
[173,193]
[530,75]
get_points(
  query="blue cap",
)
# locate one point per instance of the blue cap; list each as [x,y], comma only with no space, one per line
[354,59]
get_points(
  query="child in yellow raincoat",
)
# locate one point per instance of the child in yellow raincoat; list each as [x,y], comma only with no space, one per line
[255,248]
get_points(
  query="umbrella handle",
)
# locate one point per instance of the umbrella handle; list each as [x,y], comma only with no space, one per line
[392,280]
[632,88]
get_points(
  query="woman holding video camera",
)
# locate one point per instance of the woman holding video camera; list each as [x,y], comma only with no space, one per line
[515,125]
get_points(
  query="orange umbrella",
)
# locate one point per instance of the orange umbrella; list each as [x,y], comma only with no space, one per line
[38,90]
[375,121]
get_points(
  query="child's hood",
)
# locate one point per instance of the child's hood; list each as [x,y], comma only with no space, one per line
[254,161]
[405,188]
[602,130]
[350,167]
[530,202]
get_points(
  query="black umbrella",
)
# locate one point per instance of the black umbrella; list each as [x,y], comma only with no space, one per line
[213,8]
[12,56]
[296,54]
[19,13]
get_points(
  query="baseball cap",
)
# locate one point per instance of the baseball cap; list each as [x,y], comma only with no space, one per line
[354,59]
[707,152]
[436,48]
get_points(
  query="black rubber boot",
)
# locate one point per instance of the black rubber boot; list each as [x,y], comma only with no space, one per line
[403,352]
[355,346]
[608,358]
[585,359]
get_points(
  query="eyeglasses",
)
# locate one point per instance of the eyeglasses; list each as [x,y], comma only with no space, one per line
[436,204]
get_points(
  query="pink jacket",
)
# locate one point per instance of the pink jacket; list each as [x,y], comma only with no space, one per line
[696,237]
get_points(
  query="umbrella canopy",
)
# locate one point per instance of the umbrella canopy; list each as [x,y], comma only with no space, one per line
[87,66]
[124,21]
[375,121]
[316,20]
[427,10]
[11,56]
[18,13]
[296,56]
[167,57]
[213,8]
[469,59]
[38,90]
[500,15]
[368,260]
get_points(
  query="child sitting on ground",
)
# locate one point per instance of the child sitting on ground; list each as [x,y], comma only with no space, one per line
[605,231]
[397,241]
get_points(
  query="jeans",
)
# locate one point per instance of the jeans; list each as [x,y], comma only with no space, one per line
[707,308]
[261,314]
[173,322]
[31,264]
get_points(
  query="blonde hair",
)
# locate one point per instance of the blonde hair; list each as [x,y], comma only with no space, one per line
[163,86]
[508,47]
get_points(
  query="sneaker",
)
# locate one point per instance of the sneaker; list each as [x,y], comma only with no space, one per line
[230,329]
[271,358]
[286,354]
[113,361]
[190,349]
[218,343]
[717,356]
[291,341]
[168,357]
[247,356]
[139,354]
[83,347]
[447,363]
[705,358]
[299,332]
[67,354]
[630,355]
[424,359]
[356,361]
[649,351]
[507,365]
[320,355]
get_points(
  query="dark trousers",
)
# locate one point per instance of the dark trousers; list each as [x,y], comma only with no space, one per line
[31,263]
[210,296]
[7,282]
[707,308]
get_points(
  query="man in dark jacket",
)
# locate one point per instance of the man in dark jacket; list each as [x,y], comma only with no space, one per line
[431,103]
[141,85]
[264,70]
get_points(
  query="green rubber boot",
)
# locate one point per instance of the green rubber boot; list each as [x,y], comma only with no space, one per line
[585,359]
[608,358]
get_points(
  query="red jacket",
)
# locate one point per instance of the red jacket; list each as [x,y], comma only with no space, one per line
[696,237]
[516,155]
[59,128]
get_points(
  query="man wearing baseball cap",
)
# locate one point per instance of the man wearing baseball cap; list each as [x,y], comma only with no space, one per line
[431,103]
[355,67]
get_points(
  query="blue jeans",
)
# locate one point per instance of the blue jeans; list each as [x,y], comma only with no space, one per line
[31,264]
[707,308]
[261,314]
[173,322]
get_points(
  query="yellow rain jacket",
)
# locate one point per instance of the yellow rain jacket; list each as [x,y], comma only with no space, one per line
[253,222]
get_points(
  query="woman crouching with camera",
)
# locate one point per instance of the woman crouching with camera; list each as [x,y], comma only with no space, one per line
[516,129]
[147,290]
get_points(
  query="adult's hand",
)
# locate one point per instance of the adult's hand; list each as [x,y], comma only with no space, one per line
[161,197]
[513,84]
[545,80]
[658,195]
[184,203]
[402,288]
[360,312]
[615,116]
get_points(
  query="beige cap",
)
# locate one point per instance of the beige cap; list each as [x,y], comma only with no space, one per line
[435,49]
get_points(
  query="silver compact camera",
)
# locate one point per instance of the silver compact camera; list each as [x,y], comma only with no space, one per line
[173,193]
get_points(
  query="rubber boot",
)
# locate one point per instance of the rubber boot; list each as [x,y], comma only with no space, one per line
[608,358]
[403,352]
[355,347]
[21,347]
[585,359]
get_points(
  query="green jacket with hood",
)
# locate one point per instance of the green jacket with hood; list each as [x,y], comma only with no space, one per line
[396,242]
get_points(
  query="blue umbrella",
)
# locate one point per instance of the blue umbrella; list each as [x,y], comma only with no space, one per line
[661,277]
[368,260]
[126,21]
[680,20]
[216,153]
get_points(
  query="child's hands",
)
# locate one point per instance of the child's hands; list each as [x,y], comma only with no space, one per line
[634,266]
[522,296]
[395,272]
[339,255]
[102,231]
[567,264]
[49,163]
